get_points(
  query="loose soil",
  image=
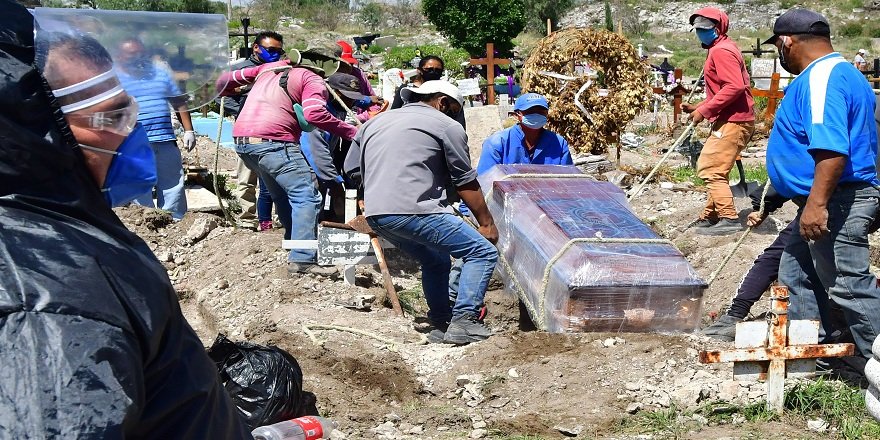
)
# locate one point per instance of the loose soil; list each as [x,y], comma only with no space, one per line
[517,383]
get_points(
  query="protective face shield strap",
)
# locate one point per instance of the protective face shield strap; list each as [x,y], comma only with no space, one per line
[71,89]
[79,105]
[100,150]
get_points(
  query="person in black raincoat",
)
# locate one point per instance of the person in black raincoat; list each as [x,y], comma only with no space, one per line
[92,340]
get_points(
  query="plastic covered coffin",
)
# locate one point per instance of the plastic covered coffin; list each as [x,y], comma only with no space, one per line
[580,260]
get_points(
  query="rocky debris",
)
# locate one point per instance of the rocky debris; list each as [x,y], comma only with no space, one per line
[687,384]
[620,178]
[200,229]
[673,16]
[817,425]
[593,164]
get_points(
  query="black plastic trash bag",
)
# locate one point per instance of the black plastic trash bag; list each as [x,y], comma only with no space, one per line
[265,383]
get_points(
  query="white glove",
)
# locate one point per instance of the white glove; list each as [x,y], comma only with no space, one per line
[189,140]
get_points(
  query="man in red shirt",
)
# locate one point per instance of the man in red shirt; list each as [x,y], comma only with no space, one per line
[267,134]
[730,108]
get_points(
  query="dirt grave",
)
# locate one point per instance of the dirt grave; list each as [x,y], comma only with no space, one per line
[517,383]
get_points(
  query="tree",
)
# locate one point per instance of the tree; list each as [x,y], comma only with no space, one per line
[372,15]
[470,24]
[538,11]
[205,6]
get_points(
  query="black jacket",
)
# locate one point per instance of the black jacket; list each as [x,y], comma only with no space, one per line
[92,340]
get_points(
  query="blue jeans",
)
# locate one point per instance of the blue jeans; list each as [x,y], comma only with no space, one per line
[289,178]
[264,203]
[841,262]
[432,239]
[170,195]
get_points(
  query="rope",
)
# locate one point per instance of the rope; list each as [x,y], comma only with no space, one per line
[217,164]
[549,267]
[741,238]
[684,136]
[308,330]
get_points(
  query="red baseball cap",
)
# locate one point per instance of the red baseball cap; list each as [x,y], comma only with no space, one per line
[347,53]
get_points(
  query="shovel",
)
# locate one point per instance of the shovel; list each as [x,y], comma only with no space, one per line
[741,188]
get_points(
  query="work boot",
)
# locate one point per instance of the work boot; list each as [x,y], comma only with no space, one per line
[724,329]
[724,226]
[465,329]
[309,268]
[703,223]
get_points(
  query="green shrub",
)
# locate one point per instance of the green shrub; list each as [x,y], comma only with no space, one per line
[452,58]
[851,29]
[872,31]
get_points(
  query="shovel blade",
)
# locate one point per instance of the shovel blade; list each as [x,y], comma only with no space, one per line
[743,189]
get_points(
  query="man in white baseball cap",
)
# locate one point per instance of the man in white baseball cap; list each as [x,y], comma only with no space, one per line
[859,61]
[405,159]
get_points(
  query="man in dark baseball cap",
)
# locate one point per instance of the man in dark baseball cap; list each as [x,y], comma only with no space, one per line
[800,21]
[822,154]
[346,85]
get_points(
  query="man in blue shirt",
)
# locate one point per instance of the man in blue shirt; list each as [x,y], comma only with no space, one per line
[528,141]
[154,89]
[822,154]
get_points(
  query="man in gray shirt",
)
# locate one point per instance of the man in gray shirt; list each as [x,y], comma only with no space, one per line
[406,159]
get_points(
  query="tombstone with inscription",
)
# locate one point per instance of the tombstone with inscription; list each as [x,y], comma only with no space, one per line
[763,69]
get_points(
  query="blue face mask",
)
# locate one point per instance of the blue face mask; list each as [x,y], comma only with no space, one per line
[707,36]
[269,57]
[534,121]
[132,172]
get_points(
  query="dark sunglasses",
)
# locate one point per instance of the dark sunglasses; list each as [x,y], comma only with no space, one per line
[277,50]
[433,70]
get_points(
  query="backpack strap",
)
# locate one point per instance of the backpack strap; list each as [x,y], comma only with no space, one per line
[304,125]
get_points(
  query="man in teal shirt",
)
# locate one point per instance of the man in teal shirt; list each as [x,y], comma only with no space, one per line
[528,141]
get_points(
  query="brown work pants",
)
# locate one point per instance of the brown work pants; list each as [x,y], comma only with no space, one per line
[726,141]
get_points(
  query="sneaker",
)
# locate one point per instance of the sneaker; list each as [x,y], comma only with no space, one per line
[309,268]
[724,329]
[265,225]
[724,226]
[465,329]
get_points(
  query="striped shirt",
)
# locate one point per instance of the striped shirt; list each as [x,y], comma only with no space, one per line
[152,92]
[829,106]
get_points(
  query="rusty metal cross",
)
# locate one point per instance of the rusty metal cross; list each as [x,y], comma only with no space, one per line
[778,351]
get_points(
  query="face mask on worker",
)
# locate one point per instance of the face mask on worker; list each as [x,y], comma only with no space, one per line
[707,36]
[534,121]
[270,55]
[132,172]
[781,50]
[432,74]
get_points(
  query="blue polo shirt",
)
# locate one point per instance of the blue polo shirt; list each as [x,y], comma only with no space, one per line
[152,93]
[506,147]
[829,106]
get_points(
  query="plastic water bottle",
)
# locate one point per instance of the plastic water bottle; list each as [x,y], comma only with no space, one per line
[301,428]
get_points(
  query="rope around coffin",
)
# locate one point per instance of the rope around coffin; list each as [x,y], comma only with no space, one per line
[588,121]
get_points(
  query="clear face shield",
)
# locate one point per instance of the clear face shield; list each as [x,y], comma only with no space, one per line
[177,56]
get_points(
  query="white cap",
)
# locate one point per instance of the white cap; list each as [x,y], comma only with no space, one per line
[862,51]
[431,87]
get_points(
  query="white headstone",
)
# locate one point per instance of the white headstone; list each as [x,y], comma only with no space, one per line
[763,69]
